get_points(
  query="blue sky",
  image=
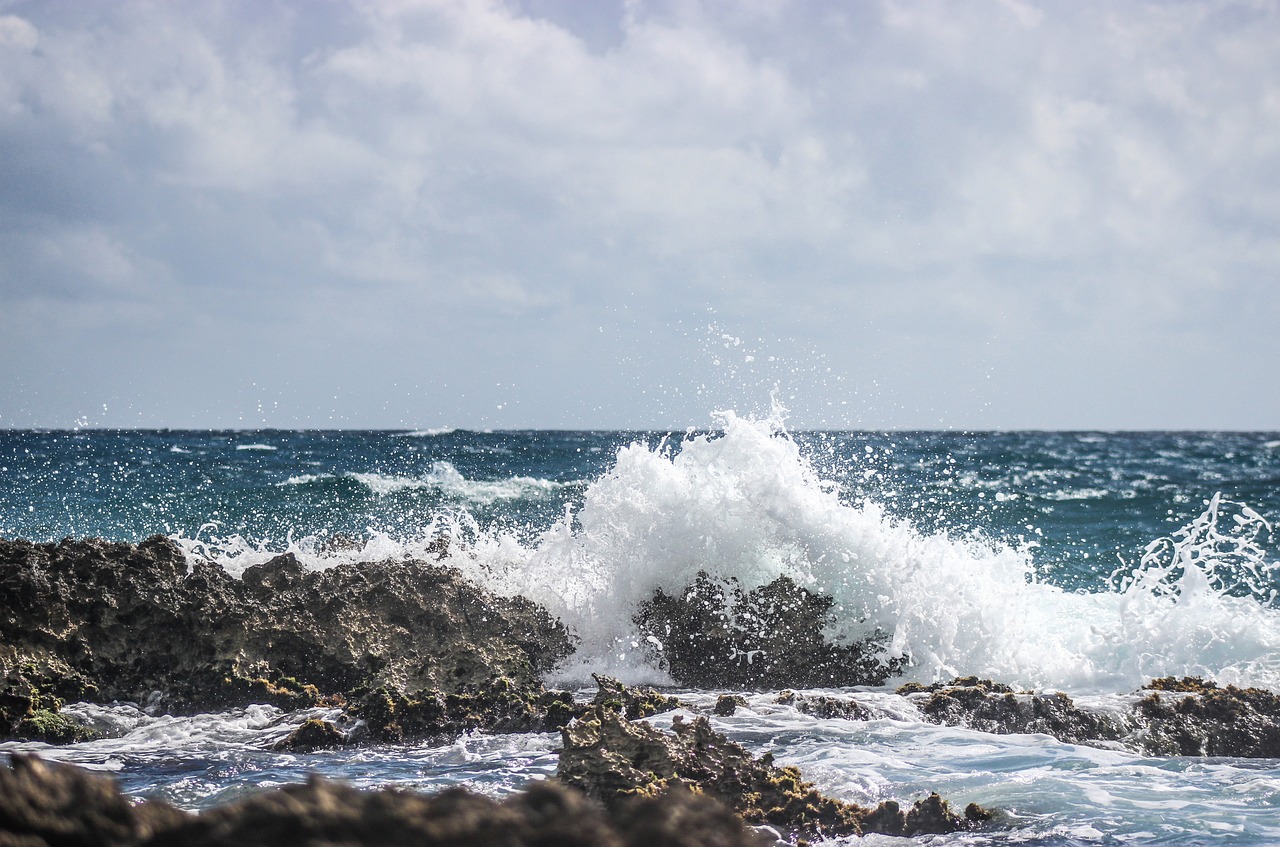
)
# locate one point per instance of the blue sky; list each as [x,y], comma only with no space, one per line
[567,214]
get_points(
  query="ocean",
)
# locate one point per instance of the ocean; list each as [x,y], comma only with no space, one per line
[1085,562]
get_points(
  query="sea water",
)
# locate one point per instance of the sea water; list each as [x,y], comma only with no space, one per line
[1082,562]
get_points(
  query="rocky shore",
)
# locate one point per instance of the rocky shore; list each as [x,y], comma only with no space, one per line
[412,651]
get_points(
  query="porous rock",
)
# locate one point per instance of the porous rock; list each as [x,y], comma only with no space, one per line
[1192,717]
[987,706]
[54,805]
[716,635]
[102,621]
[1186,716]
[614,760]
[46,803]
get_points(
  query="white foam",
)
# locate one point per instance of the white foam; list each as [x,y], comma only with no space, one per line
[449,481]
[746,504]
[264,447]
[428,433]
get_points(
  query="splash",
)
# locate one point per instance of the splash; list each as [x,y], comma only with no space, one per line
[744,503]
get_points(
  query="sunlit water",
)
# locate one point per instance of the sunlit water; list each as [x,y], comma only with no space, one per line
[1086,562]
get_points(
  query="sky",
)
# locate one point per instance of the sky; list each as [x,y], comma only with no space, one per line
[547,214]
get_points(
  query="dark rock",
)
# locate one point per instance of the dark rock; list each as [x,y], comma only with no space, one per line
[54,805]
[499,705]
[992,707]
[728,704]
[102,621]
[45,803]
[634,703]
[1192,717]
[715,635]
[1178,717]
[313,734]
[614,761]
[824,707]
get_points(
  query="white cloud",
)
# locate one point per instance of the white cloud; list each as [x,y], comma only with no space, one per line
[952,174]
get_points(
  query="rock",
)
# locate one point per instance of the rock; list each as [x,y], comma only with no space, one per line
[103,621]
[615,761]
[499,705]
[1192,717]
[634,703]
[728,704]
[53,805]
[45,803]
[988,706]
[824,707]
[715,635]
[313,734]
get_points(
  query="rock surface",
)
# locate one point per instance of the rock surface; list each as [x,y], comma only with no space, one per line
[715,635]
[1175,717]
[614,760]
[99,621]
[55,805]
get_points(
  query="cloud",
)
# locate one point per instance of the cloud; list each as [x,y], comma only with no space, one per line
[478,185]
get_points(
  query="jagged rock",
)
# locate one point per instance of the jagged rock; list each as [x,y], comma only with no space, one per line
[313,734]
[727,704]
[497,706]
[54,805]
[46,803]
[103,621]
[715,635]
[993,707]
[614,760]
[1178,717]
[635,703]
[822,706]
[1192,717]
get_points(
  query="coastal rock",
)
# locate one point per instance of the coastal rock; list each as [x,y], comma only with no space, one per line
[54,805]
[94,620]
[715,635]
[825,707]
[614,760]
[988,706]
[634,703]
[1176,717]
[46,803]
[1192,717]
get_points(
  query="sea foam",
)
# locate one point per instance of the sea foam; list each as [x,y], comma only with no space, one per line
[744,503]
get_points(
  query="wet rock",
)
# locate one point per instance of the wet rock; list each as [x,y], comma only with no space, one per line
[499,705]
[634,703]
[988,706]
[715,635]
[615,761]
[93,620]
[313,734]
[826,707]
[45,803]
[1192,717]
[53,805]
[728,704]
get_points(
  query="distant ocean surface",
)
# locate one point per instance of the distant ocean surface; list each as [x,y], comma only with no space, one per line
[1087,562]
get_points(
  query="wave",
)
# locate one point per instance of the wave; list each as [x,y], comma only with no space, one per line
[264,447]
[428,433]
[743,502]
[746,505]
[445,479]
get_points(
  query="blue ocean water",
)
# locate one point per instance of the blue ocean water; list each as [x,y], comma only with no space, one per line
[1087,562]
